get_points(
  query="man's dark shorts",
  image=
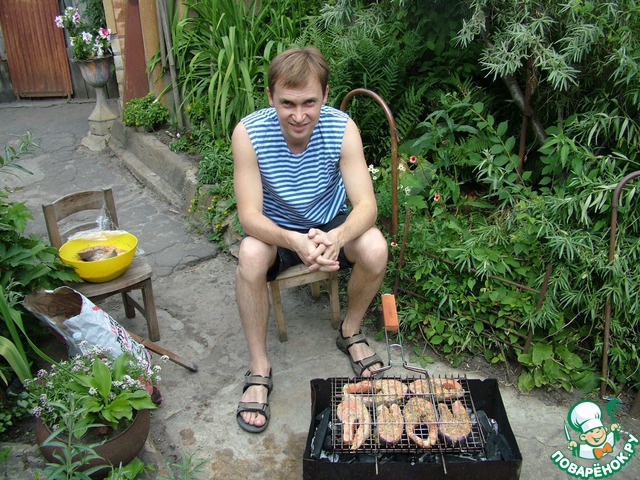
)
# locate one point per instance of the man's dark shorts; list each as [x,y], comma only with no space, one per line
[286,258]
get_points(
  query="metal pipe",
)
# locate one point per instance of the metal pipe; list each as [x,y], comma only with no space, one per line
[607,308]
[394,150]
[403,248]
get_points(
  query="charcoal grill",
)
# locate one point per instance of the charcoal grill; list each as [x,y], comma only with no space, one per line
[488,452]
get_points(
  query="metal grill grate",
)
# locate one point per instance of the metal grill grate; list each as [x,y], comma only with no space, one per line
[365,420]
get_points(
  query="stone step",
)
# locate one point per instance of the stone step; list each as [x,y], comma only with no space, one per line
[167,173]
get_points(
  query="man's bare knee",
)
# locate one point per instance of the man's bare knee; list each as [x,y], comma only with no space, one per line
[370,250]
[254,258]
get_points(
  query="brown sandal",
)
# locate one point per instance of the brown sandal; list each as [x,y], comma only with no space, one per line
[261,408]
[359,366]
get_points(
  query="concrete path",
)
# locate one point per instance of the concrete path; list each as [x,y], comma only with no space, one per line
[194,291]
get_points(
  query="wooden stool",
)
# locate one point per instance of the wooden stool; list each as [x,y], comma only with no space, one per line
[300,275]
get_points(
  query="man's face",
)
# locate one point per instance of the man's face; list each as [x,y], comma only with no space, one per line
[298,111]
[595,437]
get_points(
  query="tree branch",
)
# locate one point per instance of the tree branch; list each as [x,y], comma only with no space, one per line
[518,97]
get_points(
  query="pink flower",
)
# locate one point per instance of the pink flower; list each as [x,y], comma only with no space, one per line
[104,32]
[413,159]
[59,22]
[394,244]
[436,197]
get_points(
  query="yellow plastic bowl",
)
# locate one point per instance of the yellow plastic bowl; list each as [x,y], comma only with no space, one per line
[100,271]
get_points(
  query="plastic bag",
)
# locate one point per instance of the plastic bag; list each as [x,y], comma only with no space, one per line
[103,231]
[81,324]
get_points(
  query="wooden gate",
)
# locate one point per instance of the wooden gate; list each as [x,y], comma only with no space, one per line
[36,50]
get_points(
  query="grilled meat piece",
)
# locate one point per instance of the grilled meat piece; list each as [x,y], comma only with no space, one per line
[455,424]
[441,388]
[389,423]
[419,411]
[356,422]
[385,391]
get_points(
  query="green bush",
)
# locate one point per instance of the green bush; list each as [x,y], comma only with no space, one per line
[27,264]
[213,208]
[146,112]
[475,217]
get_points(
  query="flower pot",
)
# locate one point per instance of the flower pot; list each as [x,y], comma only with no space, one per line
[119,449]
[96,72]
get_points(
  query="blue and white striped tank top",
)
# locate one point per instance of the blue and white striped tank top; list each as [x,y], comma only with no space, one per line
[303,190]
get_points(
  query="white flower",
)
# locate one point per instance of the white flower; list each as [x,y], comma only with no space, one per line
[401,167]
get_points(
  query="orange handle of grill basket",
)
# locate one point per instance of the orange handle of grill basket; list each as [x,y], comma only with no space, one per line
[389,312]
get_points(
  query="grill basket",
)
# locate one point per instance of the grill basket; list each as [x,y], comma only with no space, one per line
[473,442]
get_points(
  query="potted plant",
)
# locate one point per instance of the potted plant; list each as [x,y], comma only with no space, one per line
[107,398]
[91,47]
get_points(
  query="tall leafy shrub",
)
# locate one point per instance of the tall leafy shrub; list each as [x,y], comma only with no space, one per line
[476,217]
[577,60]
[222,51]
[397,50]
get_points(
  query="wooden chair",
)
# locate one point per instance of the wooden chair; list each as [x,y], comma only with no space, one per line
[300,275]
[78,212]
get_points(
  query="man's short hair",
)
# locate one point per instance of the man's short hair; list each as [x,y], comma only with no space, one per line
[294,67]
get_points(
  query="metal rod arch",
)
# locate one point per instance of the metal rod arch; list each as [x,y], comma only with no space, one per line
[393,131]
[607,309]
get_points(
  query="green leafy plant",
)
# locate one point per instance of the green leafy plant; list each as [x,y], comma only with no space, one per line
[26,264]
[13,408]
[478,219]
[12,153]
[73,455]
[107,391]
[12,350]
[93,11]
[223,68]
[189,468]
[214,206]
[398,49]
[146,112]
